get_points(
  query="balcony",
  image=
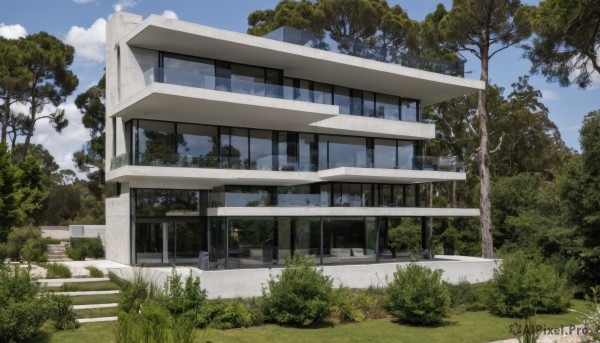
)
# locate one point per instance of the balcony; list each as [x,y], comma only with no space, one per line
[357,48]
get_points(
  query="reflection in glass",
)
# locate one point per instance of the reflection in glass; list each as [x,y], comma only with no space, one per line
[287,151]
[410,110]
[411,195]
[217,249]
[308,152]
[197,145]
[356,103]
[405,154]
[149,244]
[188,71]
[247,80]
[342,151]
[387,107]
[322,93]
[261,150]
[368,104]
[251,243]
[348,241]
[384,153]
[341,98]
[155,143]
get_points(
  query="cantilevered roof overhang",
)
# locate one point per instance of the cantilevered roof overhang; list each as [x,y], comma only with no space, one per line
[342,212]
[352,174]
[159,33]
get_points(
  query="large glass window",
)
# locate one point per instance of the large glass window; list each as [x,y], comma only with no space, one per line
[188,71]
[341,98]
[347,194]
[152,243]
[247,196]
[384,153]
[160,202]
[411,195]
[261,146]
[308,152]
[155,143]
[218,246]
[251,243]
[406,156]
[410,110]
[322,93]
[234,148]
[356,102]
[387,107]
[197,145]
[342,151]
[247,80]
[287,148]
[368,104]
[301,196]
[348,240]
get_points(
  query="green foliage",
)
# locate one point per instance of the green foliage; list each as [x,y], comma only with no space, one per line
[567,42]
[465,296]
[95,272]
[61,312]
[22,310]
[357,305]
[57,271]
[232,314]
[406,236]
[417,295]
[302,295]
[153,324]
[80,248]
[135,293]
[11,196]
[523,285]
[178,298]
[26,243]
[592,316]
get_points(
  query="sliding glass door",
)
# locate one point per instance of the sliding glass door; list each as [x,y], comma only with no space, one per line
[170,242]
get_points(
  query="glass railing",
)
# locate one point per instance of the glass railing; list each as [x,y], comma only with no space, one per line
[283,162]
[238,199]
[358,48]
[244,86]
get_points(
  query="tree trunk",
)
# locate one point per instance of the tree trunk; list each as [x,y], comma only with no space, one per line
[5,117]
[485,205]
[30,128]
[453,194]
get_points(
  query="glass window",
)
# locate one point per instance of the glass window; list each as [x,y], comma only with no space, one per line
[308,154]
[307,237]
[356,103]
[197,145]
[234,148]
[273,84]
[247,196]
[405,154]
[261,150]
[190,244]
[410,110]
[342,151]
[288,88]
[367,195]
[411,195]
[155,143]
[247,80]
[287,148]
[299,196]
[151,202]
[218,246]
[368,104]
[251,243]
[387,107]
[183,203]
[399,195]
[383,196]
[149,247]
[188,71]
[302,91]
[348,241]
[341,98]
[384,153]
[322,93]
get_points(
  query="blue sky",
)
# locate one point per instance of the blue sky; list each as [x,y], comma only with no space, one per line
[81,24]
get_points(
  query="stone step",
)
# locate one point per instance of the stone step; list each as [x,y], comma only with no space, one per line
[93,306]
[96,320]
[74,294]
[59,260]
[74,280]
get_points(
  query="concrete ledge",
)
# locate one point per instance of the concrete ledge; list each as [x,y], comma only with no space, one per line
[93,306]
[342,212]
[249,282]
[96,320]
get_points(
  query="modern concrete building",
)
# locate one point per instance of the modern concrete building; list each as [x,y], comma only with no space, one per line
[227,151]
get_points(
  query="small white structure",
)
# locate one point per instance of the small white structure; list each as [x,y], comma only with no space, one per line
[88,231]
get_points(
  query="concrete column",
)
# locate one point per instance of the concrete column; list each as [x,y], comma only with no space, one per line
[165,232]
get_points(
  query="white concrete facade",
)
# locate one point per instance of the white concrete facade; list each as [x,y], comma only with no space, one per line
[134,47]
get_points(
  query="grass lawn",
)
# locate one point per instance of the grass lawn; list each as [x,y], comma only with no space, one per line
[84,286]
[97,312]
[96,299]
[465,327]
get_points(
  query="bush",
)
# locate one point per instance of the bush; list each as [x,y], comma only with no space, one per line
[80,248]
[356,305]
[22,311]
[417,295]
[465,296]
[61,312]
[523,286]
[26,243]
[94,272]
[301,296]
[134,294]
[153,324]
[57,271]
[233,315]
[179,299]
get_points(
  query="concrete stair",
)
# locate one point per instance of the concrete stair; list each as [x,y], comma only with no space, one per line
[57,252]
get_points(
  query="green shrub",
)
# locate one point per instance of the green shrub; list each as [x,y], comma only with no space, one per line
[134,294]
[94,272]
[57,271]
[152,323]
[61,312]
[356,305]
[26,243]
[180,298]
[80,248]
[22,311]
[302,295]
[465,296]
[233,315]
[34,250]
[417,295]
[523,286]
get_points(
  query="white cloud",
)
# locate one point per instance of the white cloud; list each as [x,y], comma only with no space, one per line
[83,1]
[60,145]
[170,14]
[123,5]
[570,128]
[89,43]
[12,31]
[549,95]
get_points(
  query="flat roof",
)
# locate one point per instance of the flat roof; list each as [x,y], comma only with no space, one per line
[159,33]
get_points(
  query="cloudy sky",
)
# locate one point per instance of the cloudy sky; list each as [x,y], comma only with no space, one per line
[81,23]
